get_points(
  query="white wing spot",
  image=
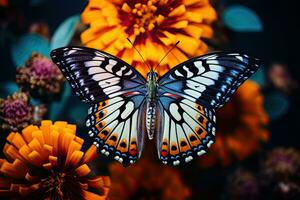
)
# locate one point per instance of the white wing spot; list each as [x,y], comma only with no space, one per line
[210,143]
[212,75]
[200,67]
[92,63]
[174,111]
[129,108]
[200,153]
[71,52]
[109,82]
[192,93]
[240,58]
[112,89]
[203,80]
[110,65]
[95,70]
[102,76]
[128,73]
[120,72]
[188,159]
[189,74]
[178,73]
[177,162]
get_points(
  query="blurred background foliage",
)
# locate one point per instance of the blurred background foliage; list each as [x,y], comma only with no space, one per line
[262,161]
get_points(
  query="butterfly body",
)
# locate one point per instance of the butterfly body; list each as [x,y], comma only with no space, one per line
[151,103]
[178,109]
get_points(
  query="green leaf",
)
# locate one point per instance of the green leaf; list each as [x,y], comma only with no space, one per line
[57,108]
[78,114]
[276,104]
[22,49]
[64,33]
[8,88]
[242,19]
[259,77]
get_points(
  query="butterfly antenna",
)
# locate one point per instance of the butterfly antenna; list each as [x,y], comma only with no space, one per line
[166,54]
[139,54]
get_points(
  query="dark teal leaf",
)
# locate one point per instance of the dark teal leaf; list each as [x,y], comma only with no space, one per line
[64,33]
[8,88]
[26,45]
[59,107]
[78,113]
[259,77]
[34,101]
[242,19]
[276,105]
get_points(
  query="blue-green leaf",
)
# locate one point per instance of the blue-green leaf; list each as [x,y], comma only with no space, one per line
[276,104]
[259,77]
[8,88]
[242,19]
[64,33]
[57,108]
[22,49]
[78,113]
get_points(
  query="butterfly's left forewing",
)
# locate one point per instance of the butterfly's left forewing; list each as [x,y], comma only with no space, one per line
[116,93]
[187,97]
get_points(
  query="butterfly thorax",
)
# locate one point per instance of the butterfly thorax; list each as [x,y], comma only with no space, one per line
[151,103]
[152,85]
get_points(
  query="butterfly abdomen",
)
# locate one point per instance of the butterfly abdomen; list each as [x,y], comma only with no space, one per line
[150,118]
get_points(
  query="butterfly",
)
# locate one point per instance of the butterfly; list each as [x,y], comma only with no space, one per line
[178,108]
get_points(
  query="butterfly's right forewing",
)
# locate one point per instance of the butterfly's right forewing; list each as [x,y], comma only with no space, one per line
[95,75]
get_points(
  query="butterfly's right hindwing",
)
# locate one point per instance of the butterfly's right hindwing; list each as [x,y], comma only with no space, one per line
[116,125]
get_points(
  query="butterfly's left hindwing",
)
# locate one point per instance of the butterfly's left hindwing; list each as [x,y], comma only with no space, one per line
[186,131]
[187,97]
[116,93]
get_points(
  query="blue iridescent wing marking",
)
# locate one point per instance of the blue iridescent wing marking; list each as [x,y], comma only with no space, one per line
[116,93]
[187,97]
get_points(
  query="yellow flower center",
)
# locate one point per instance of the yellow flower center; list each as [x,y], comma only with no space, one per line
[145,16]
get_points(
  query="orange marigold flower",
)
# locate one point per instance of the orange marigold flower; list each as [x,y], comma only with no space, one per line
[241,126]
[147,180]
[47,162]
[153,26]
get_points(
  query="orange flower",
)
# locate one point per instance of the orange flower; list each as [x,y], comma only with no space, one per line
[47,162]
[153,26]
[147,180]
[241,126]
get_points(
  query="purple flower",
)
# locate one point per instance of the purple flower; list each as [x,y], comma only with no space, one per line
[280,173]
[242,184]
[40,77]
[16,112]
[44,69]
